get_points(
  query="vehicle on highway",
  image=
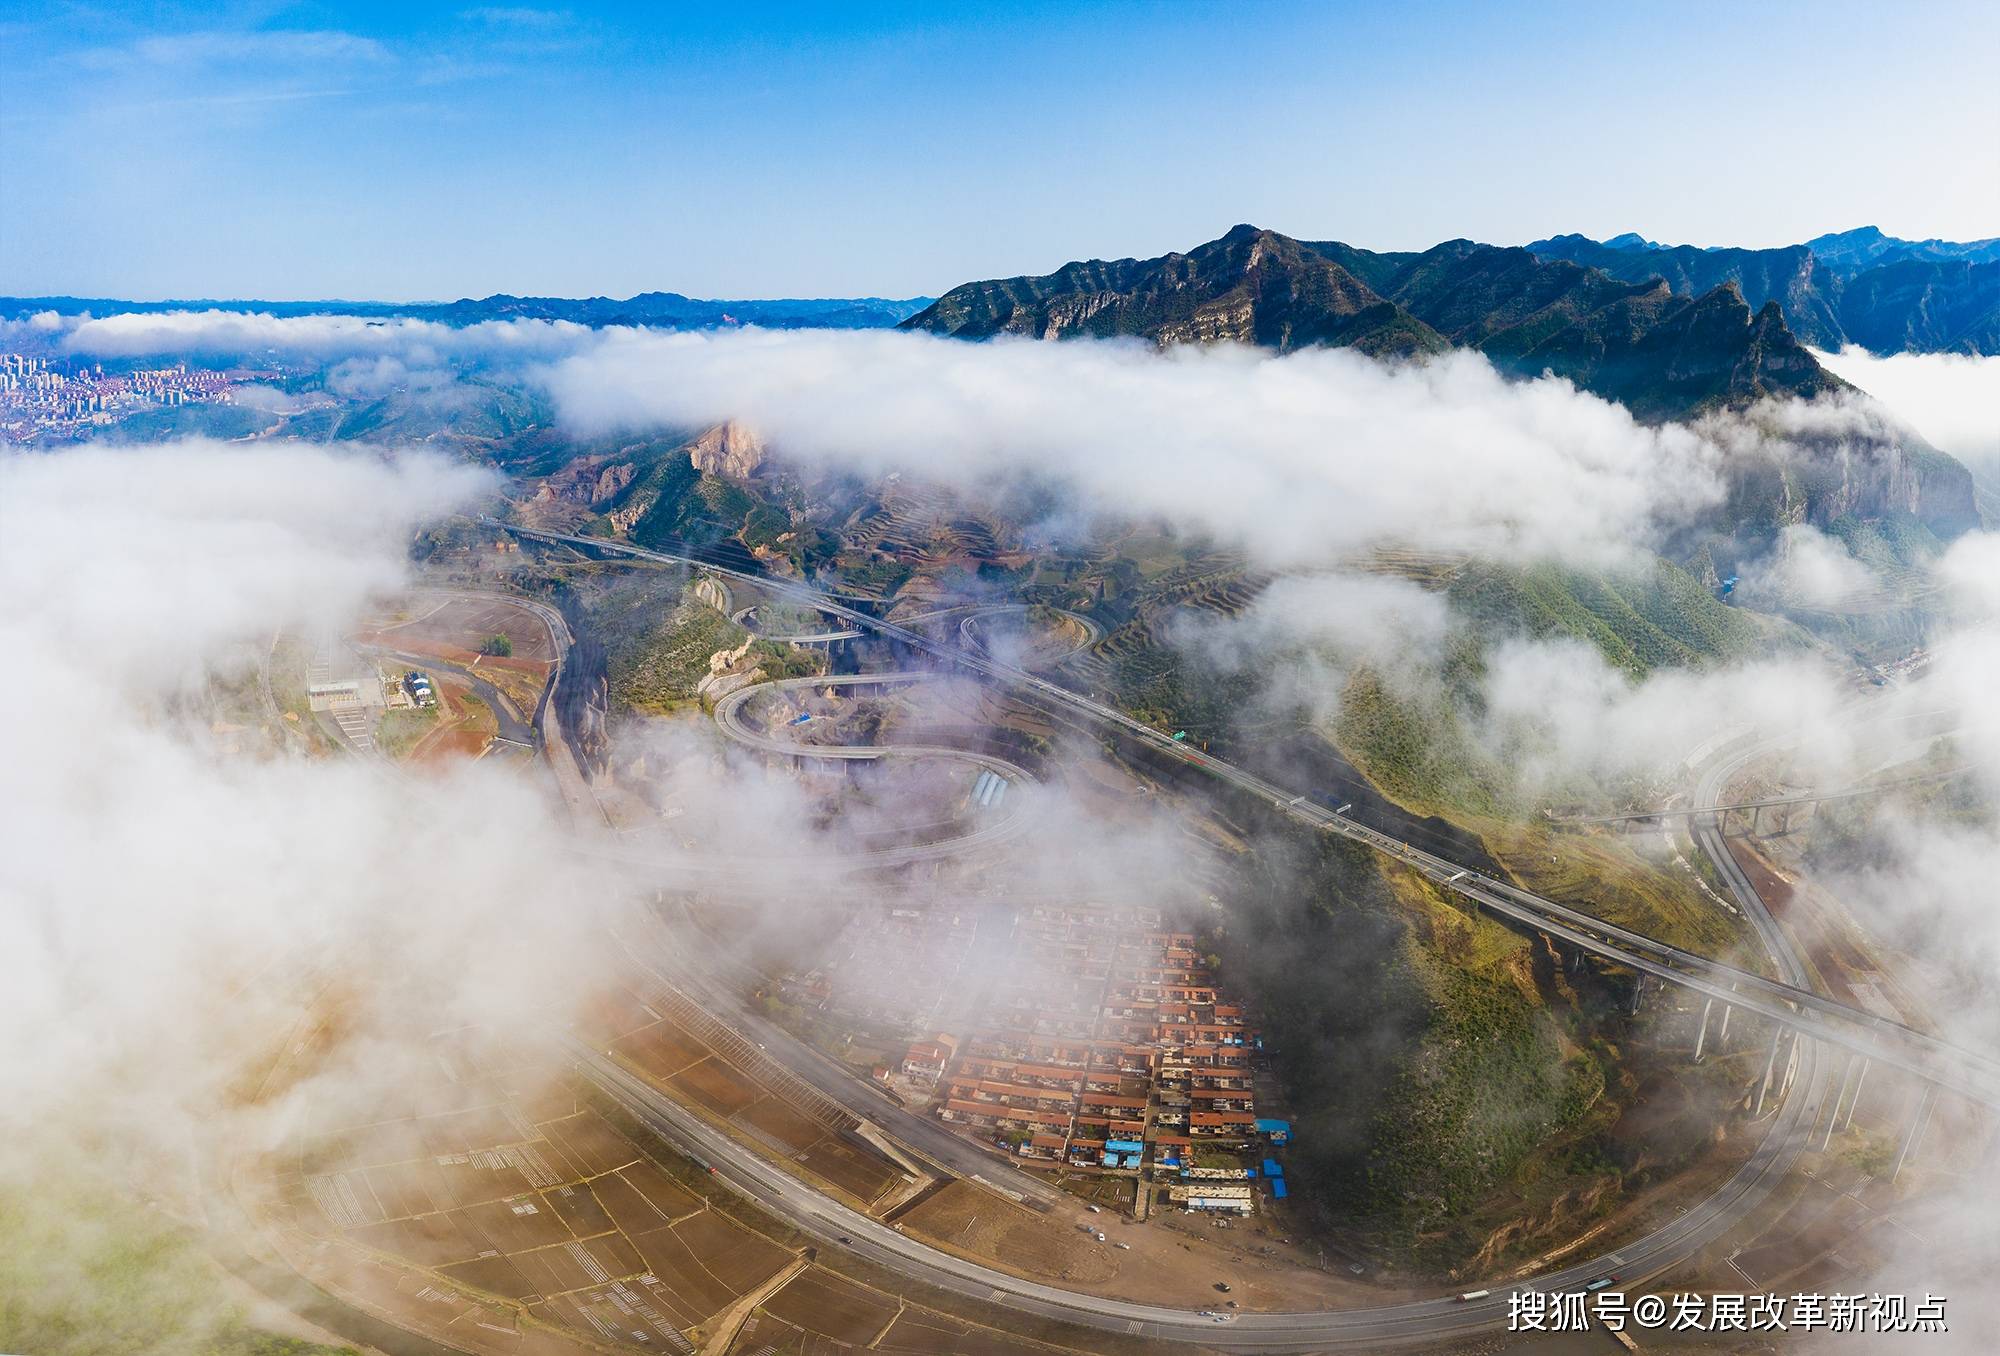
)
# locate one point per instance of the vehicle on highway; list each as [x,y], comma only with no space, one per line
[1471,1295]
[1602,1282]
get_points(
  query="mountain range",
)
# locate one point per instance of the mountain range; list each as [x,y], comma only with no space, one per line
[1855,287]
[1662,352]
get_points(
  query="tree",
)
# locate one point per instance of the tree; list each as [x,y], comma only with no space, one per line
[498,646]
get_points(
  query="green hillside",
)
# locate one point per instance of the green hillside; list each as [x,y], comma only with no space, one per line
[1639,621]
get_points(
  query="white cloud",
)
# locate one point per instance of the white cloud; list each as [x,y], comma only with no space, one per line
[166,908]
[1298,458]
[1952,399]
[328,338]
[1810,569]
[1971,570]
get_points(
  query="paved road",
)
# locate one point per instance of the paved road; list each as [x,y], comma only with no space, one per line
[1788,1003]
[1364,1329]
[714,978]
[1705,806]
[1430,1320]
[1019,814]
[968,630]
[743,617]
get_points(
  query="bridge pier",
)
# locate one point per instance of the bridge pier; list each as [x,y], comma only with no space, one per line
[1918,1124]
[1791,1068]
[1859,1079]
[1638,992]
[1701,1037]
[1769,1064]
[1722,1036]
[1839,1096]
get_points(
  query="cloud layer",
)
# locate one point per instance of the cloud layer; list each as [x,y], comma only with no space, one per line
[1298,458]
[1952,399]
[169,908]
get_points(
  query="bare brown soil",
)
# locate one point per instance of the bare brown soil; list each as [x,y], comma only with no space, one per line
[1170,1259]
[818,1301]
[458,629]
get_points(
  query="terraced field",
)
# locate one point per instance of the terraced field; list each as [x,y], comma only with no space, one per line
[924,525]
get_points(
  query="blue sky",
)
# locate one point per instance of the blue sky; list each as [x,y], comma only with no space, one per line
[402,151]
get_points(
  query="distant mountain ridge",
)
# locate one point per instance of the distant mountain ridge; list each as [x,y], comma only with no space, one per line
[1853,287]
[666,310]
[1662,354]
[1256,287]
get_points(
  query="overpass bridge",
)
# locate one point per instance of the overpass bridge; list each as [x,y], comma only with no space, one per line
[1666,813]
[1790,1006]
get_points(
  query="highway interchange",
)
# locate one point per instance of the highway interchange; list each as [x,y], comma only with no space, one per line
[1785,1000]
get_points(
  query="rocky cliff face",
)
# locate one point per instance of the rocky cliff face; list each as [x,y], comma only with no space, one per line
[730,450]
[1791,276]
[1858,287]
[1250,286]
[1819,465]
[1919,306]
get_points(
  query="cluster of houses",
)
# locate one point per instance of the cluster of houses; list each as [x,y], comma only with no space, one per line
[1111,1050]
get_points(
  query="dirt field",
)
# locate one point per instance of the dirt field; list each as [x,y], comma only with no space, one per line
[456,628]
[861,1173]
[917,1333]
[593,1145]
[706,1261]
[465,727]
[1169,1259]
[478,1212]
[714,1085]
[819,1301]
[973,1222]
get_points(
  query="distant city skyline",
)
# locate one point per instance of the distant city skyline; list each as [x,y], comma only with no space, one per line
[380,152]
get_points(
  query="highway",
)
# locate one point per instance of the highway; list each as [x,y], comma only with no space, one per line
[718,981]
[1251,1331]
[1766,803]
[968,629]
[1015,821]
[1784,1000]
[743,618]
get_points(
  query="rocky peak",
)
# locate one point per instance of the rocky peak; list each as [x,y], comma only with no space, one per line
[730,450]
